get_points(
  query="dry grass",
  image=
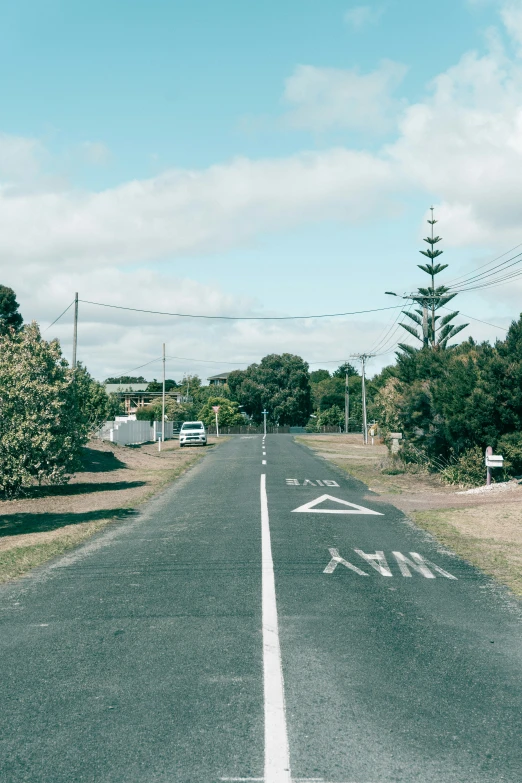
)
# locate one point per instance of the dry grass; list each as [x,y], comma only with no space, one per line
[490,538]
[485,530]
[114,481]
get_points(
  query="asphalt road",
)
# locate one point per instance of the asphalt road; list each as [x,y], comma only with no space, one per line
[160,650]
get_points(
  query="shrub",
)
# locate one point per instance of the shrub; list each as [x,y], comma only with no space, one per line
[510,446]
[467,470]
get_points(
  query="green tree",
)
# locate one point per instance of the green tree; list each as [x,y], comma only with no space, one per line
[319,375]
[157,386]
[280,383]
[345,369]
[92,402]
[435,331]
[42,428]
[173,411]
[10,318]
[228,414]
[331,417]
[123,379]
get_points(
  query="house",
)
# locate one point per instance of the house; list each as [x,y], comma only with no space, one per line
[135,395]
[218,380]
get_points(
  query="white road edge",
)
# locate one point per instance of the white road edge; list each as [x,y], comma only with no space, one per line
[277,756]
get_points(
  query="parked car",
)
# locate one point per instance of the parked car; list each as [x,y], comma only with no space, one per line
[192,433]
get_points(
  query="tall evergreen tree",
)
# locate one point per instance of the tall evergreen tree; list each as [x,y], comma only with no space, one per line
[435,331]
[10,318]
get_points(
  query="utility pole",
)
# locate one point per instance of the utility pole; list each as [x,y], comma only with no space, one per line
[365,424]
[362,358]
[163,401]
[425,337]
[346,403]
[264,420]
[75,332]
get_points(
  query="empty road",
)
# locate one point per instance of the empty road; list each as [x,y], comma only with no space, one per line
[265,618]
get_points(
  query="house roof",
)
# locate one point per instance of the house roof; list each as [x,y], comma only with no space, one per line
[111,388]
[221,377]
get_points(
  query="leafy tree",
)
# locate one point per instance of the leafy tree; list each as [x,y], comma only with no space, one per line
[280,383]
[204,393]
[92,402]
[435,331]
[42,428]
[157,386]
[319,375]
[10,318]
[173,411]
[345,369]
[123,379]
[228,415]
[331,417]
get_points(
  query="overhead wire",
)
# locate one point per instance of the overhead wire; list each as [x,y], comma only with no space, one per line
[61,314]
[460,277]
[239,317]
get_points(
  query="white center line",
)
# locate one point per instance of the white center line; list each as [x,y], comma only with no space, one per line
[277,756]
[263,462]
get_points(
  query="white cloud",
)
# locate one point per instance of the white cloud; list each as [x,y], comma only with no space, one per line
[95,152]
[325,98]
[363,15]
[511,15]
[186,212]
[20,159]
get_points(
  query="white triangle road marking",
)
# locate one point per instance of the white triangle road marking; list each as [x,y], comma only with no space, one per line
[353,508]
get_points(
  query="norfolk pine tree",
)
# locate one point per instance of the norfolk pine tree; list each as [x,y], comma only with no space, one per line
[438,330]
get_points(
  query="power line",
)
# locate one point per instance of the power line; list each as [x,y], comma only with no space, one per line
[502,328]
[57,319]
[461,277]
[240,318]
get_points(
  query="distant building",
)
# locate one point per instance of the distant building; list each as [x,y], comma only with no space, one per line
[135,395]
[218,380]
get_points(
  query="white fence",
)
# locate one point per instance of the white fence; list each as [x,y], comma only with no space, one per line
[127,433]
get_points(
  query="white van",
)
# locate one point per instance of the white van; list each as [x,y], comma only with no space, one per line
[192,433]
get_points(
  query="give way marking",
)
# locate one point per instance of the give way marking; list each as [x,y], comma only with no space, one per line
[352,508]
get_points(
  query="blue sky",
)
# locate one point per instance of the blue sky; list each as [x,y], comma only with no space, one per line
[241,157]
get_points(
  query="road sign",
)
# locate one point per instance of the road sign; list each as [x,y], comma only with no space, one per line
[215,408]
[352,508]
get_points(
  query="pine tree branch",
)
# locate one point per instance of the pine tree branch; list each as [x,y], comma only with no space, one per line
[412,331]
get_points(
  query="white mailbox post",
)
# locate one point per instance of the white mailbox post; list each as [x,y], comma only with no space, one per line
[492,461]
[395,438]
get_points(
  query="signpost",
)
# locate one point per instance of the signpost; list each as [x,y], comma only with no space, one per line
[215,408]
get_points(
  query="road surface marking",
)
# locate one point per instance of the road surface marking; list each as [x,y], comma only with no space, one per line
[353,508]
[277,756]
[320,482]
[419,564]
[377,561]
[263,462]
[338,560]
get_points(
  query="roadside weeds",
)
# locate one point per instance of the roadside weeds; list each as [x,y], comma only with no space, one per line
[116,480]
[485,530]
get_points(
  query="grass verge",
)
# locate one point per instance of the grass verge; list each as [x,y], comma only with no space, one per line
[54,520]
[496,555]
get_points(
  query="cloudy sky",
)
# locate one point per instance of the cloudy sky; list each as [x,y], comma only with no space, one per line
[249,159]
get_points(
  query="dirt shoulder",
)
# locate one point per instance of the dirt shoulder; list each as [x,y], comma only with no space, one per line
[114,481]
[485,529]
